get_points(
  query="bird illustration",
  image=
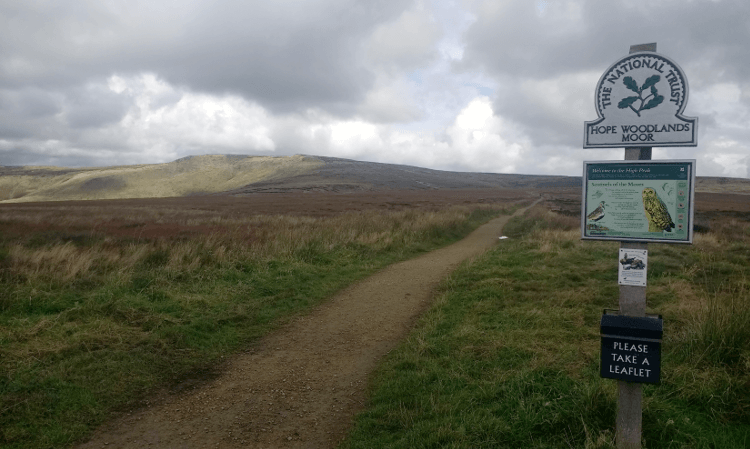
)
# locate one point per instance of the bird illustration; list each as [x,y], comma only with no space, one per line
[667,188]
[656,212]
[598,213]
[631,263]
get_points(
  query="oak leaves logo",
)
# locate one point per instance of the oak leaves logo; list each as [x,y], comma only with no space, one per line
[650,101]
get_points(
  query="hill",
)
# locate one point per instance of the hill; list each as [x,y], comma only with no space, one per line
[238,175]
[187,176]
[345,175]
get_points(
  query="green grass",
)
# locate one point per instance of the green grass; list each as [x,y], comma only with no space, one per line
[508,356]
[90,324]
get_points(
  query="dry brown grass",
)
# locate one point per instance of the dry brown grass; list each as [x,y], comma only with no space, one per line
[730,230]
[226,241]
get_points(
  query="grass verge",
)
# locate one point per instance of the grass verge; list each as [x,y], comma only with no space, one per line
[90,322]
[508,356]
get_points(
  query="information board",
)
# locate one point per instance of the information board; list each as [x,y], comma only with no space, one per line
[646,201]
[633,267]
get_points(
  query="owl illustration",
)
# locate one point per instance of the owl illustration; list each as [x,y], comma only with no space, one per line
[598,213]
[656,212]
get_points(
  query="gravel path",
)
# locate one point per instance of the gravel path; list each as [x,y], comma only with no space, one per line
[301,386]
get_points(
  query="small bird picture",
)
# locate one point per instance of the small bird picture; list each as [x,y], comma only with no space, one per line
[656,212]
[598,213]
[632,263]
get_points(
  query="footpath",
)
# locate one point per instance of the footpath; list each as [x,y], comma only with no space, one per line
[301,386]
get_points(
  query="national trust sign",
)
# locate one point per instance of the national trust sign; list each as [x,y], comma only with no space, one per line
[640,100]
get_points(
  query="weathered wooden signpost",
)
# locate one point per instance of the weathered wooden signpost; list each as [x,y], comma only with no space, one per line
[639,100]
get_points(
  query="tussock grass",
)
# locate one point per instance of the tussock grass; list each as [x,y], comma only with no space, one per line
[718,327]
[508,356]
[91,321]
[57,257]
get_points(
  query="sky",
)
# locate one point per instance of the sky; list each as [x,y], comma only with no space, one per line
[500,86]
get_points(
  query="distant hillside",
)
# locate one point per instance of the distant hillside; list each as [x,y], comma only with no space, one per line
[187,176]
[344,175]
[722,185]
[247,175]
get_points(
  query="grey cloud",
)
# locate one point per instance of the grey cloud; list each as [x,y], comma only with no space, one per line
[64,154]
[29,112]
[93,106]
[20,156]
[52,115]
[406,43]
[545,125]
[518,41]
[572,35]
[30,103]
[286,59]
[287,55]
[708,120]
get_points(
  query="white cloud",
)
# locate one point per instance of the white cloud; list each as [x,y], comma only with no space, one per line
[190,121]
[476,140]
[476,85]
[392,99]
[486,140]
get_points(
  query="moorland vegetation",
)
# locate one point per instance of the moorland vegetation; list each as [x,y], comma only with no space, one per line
[508,356]
[95,315]
[92,320]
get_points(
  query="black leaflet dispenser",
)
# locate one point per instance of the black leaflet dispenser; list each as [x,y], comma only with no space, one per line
[631,347]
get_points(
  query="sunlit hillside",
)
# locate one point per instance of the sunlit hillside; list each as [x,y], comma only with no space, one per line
[187,176]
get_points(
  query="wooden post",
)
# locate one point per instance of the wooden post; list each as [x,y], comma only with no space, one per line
[632,303]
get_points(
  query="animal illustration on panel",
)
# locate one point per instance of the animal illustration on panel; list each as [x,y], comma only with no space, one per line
[656,212]
[632,263]
[598,213]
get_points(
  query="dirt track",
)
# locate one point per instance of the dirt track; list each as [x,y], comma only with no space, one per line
[302,385]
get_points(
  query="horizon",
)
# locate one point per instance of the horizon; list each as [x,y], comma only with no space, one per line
[312,155]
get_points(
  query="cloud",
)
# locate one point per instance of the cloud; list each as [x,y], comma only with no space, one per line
[539,39]
[28,112]
[548,56]
[475,138]
[171,123]
[286,54]
[476,85]
[550,110]
[93,105]
[407,42]
[390,100]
